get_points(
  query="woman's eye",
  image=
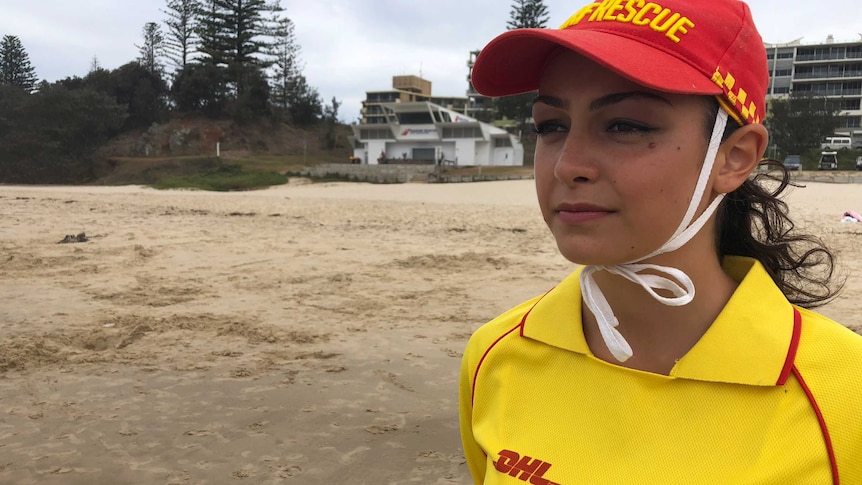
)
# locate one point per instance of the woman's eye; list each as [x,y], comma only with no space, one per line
[628,128]
[548,128]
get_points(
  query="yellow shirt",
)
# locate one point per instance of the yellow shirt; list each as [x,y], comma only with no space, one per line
[771,394]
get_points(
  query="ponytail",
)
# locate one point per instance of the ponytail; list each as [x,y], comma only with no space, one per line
[753,221]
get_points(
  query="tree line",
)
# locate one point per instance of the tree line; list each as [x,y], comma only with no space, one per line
[800,122]
[238,59]
[221,58]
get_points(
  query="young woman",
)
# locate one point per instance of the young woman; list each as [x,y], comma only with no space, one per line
[681,352]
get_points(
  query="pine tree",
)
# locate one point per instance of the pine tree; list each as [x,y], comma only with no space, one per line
[231,34]
[284,52]
[181,38]
[209,30]
[15,68]
[306,106]
[152,49]
[95,65]
[290,92]
[330,120]
[528,14]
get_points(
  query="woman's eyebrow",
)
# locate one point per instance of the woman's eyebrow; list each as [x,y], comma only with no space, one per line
[602,102]
[618,97]
[551,101]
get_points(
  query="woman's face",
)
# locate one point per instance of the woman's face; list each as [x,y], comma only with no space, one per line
[616,163]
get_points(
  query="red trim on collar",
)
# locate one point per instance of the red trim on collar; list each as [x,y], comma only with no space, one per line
[501,337]
[823,427]
[524,320]
[487,351]
[791,351]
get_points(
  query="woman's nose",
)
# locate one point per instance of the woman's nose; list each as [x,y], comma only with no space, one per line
[576,160]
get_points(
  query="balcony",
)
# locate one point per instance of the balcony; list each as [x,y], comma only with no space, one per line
[826,76]
[849,56]
[831,92]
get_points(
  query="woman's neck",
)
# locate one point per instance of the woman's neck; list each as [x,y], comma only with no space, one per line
[659,334]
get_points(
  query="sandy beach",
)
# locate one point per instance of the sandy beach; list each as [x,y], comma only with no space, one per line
[305,334]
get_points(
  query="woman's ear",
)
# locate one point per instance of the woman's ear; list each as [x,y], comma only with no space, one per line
[738,156]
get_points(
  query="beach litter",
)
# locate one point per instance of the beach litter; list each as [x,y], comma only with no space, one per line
[851,216]
[74,238]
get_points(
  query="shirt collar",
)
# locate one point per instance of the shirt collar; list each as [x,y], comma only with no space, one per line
[747,344]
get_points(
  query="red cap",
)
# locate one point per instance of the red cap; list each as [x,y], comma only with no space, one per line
[706,47]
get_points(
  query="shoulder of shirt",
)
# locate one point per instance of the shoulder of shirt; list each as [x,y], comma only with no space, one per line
[829,347]
[827,362]
[837,335]
[490,332]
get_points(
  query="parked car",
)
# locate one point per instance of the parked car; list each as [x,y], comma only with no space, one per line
[858,163]
[828,161]
[793,162]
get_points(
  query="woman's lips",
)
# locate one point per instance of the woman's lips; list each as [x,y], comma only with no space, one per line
[579,213]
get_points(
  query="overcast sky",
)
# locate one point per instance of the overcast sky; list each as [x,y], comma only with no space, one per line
[353,46]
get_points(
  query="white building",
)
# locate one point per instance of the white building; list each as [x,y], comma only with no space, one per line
[426,133]
[831,69]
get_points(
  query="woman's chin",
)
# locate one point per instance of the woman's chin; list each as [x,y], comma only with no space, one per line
[583,257]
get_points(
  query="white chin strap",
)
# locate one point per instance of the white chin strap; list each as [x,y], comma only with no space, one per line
[678,283]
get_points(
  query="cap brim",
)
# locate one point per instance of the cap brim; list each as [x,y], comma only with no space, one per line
[513,62]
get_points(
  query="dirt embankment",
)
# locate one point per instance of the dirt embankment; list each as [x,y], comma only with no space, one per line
[191,143]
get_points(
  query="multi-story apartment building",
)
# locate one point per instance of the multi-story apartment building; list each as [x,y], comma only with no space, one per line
[832,69]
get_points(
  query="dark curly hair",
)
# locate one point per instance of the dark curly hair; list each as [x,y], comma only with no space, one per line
[753,221]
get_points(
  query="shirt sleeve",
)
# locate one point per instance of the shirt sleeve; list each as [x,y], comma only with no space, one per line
[475,455]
